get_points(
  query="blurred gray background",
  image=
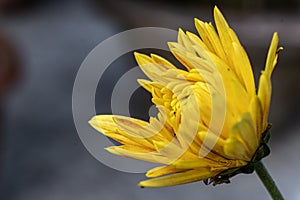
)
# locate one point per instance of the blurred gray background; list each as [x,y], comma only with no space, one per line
[42,156]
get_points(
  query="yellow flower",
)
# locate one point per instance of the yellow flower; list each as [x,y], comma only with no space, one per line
[211,121]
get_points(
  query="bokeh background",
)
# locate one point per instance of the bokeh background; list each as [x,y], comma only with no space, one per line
[42,45]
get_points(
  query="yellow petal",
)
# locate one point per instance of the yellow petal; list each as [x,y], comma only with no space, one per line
[264,95]
[243,140]
[189,60]
[236,56]
[162,170]
[215,40]
[212,141]
[196,163]
[196,40]
[257,115]
[160,60]
[224,34]
[185,41]
[242,62]
[219,164]
[265,86]
[203,34]
[272,55]
[151,68]
[136,153]
[139,131]
[149,85]
[171,150]
[180,178]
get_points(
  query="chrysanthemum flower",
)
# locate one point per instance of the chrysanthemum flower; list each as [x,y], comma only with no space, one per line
[212,123]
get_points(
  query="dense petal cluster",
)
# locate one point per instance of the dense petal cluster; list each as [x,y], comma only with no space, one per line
[210,118]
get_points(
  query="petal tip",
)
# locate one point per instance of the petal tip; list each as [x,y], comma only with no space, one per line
[216,10]
[93,121]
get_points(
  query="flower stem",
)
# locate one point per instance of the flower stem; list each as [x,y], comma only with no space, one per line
[267,180]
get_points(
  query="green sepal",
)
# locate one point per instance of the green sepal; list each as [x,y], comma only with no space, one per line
[263,151]
[267,134]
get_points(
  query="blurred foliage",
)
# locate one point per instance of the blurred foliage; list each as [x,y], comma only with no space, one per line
[9,64]
[279,5]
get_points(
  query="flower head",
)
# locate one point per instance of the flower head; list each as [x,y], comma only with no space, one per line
[212,123]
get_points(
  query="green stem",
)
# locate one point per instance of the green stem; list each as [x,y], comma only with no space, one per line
[267,180]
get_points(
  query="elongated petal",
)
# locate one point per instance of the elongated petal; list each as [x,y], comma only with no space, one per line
[107,125]
[135,153]
[257,115]
[211,38]
[224,34]
[264,94]
[203,34]
[242,61]
[185,41]
[196,40]
[265,86]
[272,55]
[135,130]
[180,178]
[218,164]
[196,163]
[162,170]
[236,57]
